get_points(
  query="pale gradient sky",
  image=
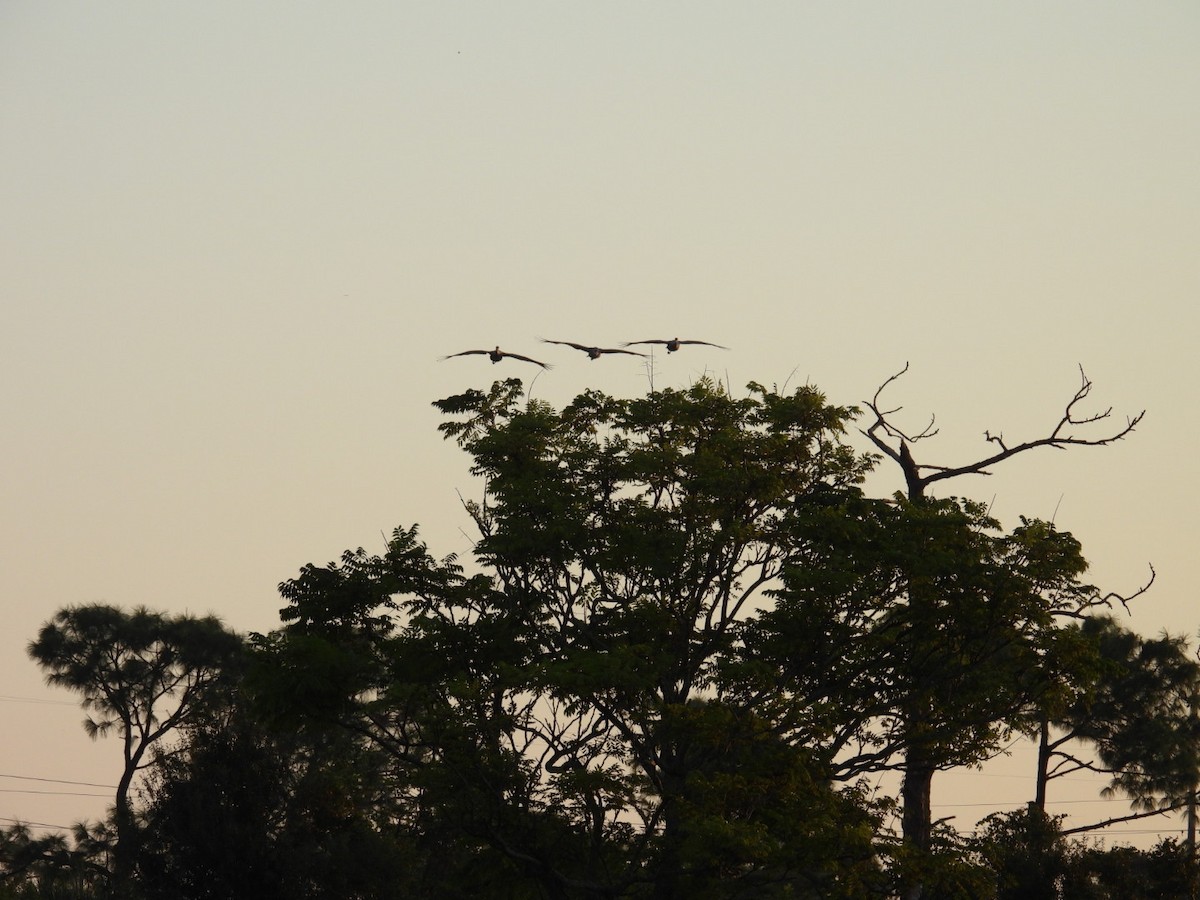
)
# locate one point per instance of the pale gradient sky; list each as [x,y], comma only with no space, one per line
[235,239]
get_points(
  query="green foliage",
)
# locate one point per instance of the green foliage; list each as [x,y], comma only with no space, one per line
[687,639]
[755,816]
[1134,703]
[245,812]
[50,866]
[128,666]
[1029,859]
[690,627]
[539,708]
[1024,850]
[338,601]
[894,615]
[140,673]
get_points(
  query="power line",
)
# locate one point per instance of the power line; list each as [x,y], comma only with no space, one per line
[54,793]
[58,781]
[7,698]
[38,824]
[1117,834]
[1030,777]
[1025,803]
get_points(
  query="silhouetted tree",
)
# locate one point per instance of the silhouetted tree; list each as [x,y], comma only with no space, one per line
[688,638]
[568,710]
[922,683]
[242,810]
[1135,713]
[141,674]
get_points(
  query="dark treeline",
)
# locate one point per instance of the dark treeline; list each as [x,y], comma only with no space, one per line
[686,647]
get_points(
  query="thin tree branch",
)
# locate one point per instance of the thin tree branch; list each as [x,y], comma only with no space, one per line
[1129,818]
[1061,436]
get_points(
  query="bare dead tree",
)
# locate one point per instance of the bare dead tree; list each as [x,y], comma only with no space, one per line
[895,443]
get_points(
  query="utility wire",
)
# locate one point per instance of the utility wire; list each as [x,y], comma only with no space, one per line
[54,793]
[6,698]
[58,781]
[38,824]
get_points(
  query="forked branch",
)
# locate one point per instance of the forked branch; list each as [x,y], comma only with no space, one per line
[883,433]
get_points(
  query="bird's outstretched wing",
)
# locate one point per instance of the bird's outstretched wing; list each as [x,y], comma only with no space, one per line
[528,359]
[467,353]
[675,343]
[570,344]
[593,352]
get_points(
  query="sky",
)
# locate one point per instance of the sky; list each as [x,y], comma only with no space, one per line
[236,239]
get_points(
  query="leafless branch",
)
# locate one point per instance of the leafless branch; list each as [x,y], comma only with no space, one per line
[881,422]
[1129,818]
[1108,598]
[1061,436]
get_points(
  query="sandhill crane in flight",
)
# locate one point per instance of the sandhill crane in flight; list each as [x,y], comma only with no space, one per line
[592,352]
[675,343]
[496,355]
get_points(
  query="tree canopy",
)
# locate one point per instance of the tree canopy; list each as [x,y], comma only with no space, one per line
[140,673]
[686,645]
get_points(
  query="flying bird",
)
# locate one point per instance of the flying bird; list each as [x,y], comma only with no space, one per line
[496,355]
[675,343]
[592,352]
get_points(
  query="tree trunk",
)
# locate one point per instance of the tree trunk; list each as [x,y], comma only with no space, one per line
[124,848]
[1191,845]
[1043,767]
[916,792]
[669,865]
[916,819]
